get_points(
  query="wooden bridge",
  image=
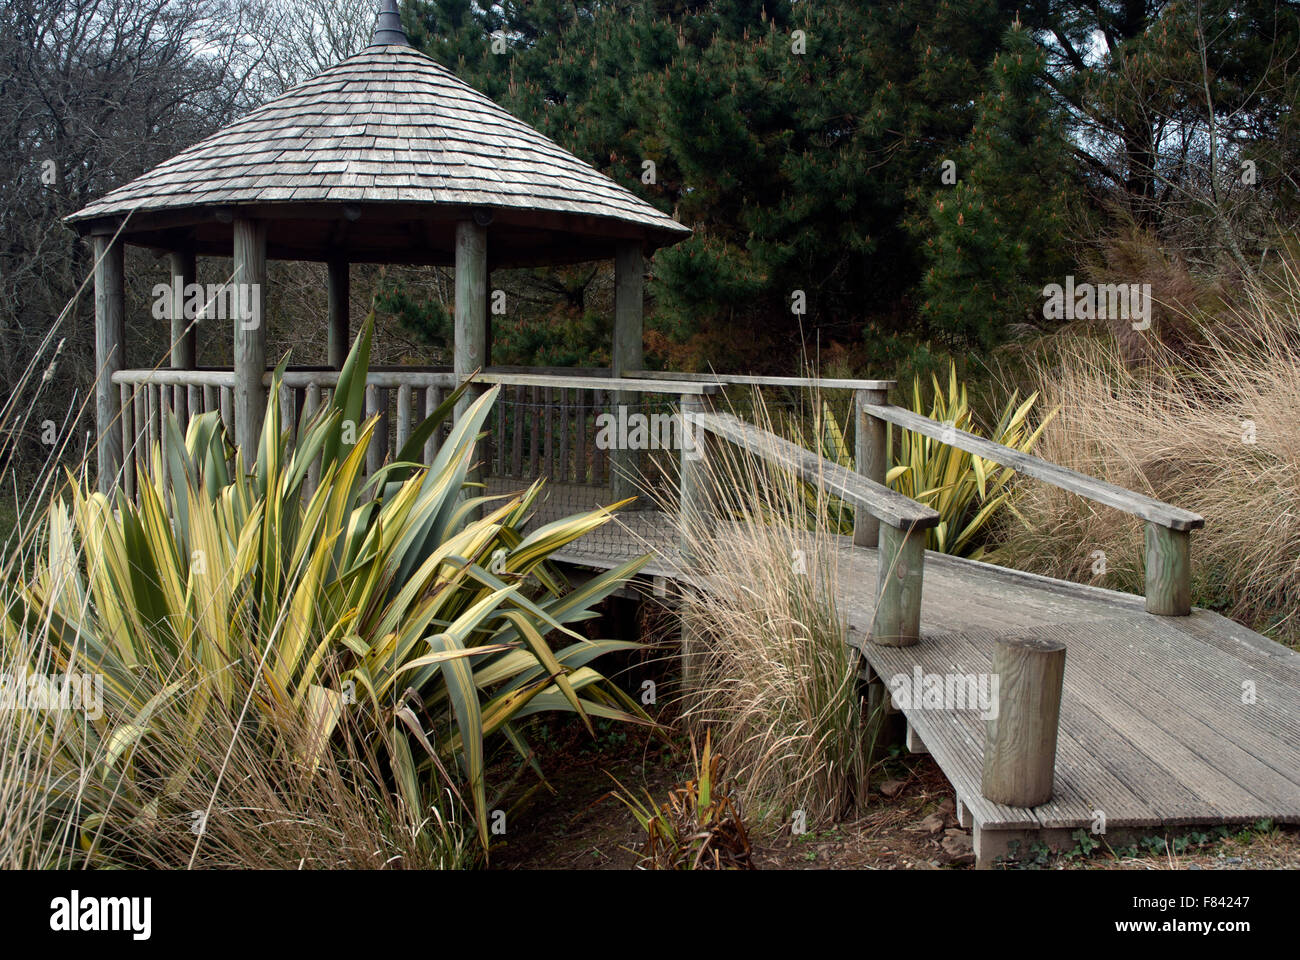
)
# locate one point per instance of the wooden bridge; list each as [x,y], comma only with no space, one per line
[1170,717]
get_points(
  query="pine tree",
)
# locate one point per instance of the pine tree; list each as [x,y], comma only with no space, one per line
[996,234]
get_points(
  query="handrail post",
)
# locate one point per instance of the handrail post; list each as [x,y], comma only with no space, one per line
[901,559]
[871,460]
[1168,571]
[1020,738]
[696,512]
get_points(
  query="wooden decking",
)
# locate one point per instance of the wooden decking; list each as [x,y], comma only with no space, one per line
[1166,722]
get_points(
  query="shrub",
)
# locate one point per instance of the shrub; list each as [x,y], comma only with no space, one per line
[965,490]
[699,827]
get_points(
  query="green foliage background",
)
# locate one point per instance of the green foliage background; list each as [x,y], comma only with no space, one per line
[821,170]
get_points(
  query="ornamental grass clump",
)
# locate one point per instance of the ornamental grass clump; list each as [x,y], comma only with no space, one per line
[768,670]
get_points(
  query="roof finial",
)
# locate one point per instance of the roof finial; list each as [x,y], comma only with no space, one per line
[388,28]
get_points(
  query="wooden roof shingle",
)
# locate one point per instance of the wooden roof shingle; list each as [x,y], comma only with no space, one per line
[389,125]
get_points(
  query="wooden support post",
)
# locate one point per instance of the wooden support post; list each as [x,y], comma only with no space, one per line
[901,559]
[629,295]
[470,352]
[1168,571]
[691,644]
[626,355]
[1020,737]
[339,292]
[871,460]
[110,357]
[883,728]
[184,331]
[249,299]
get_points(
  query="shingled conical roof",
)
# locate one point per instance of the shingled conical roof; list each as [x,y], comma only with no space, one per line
[375,159]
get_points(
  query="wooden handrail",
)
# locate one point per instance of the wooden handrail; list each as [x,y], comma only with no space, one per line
[828,383]
[674,387]
[1167,549]
[890,506]
[1140,505]
[169,377]
[374,378]
[896,620]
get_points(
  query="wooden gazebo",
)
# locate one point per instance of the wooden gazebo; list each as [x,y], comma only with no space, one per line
[386,157]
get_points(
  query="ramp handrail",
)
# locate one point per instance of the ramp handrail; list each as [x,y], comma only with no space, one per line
[896,620]
[1167,566]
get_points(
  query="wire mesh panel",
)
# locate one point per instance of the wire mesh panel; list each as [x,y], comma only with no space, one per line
[590,447]
[593,446]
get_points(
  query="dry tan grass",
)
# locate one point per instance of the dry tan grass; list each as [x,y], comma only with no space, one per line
[233,792]
[1181,429]
[769,671]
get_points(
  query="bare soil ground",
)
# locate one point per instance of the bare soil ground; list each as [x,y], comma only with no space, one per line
[909,823]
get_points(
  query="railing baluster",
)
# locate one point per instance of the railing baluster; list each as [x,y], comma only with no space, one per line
[403,416]
[534,427]
[548,436]
[310,405]
[141,403]
[432,400]
[165,395]
[228,412]
[580,438]
[517,440]
[562,474]
[178,403]
[599,456]
[125,394]
[499,412]
[375,452]
[286,414]
[151,394]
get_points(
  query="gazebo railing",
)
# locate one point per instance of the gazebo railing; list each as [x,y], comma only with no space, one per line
[570,429]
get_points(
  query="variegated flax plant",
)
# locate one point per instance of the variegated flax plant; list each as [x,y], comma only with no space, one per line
[293,673]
